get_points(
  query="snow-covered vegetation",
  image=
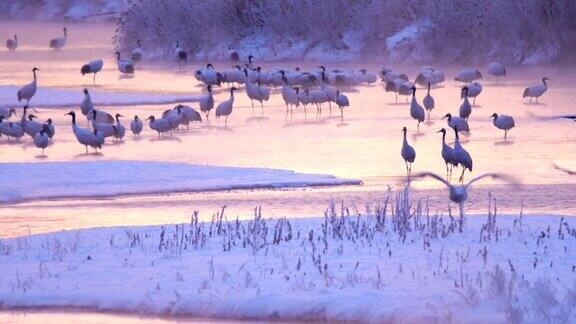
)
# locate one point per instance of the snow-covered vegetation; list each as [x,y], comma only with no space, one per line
[465,31]
[392,261]
[74,10]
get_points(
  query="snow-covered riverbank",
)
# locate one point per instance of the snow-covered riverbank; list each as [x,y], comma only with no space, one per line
[393,262]
[52,97]
[111,178]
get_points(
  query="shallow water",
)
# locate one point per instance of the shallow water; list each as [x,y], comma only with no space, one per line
[366,146]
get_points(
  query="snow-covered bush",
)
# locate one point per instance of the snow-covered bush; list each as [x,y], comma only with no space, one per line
[74,10]
[517,32]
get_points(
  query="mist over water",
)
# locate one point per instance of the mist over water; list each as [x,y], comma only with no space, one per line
[365,147]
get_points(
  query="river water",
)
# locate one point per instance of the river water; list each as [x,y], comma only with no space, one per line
[365,147]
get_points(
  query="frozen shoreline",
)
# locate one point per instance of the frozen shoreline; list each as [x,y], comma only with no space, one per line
[47,97]
[97,179]
[386,265]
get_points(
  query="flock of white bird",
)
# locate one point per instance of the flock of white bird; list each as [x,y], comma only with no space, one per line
[300,89]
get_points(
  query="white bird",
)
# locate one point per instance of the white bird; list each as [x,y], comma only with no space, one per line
[180,54]
[7,112]
[416,111]
[461,156]
[86,105]
[408,153]
[317,97]
[15,130]
[455,121]
[98,140]
[465,109]
[160,125]
[537,90]
[225,107]
[206,102]
[5,127]
[459,193]
[188,115]
[399,86]
[447,155]
[428,102]
[92,67]
[12,44]
[32,127]
[341,101]
[41,139]
[120,130]
[59,42]
[496,69]
[468,75]
[106,129]
[209,75]
[257,92]
[303,99]
[28,91]
[137,52]
[136,126]
[290,95]
[473,89]
[388,75]
[235,75]
[567,171]
[25,120]
[504,122]
[429,75]
[84,136]
[51,129]
[124,66]
[173,116]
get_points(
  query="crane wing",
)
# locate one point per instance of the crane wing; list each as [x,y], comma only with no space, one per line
[506,178]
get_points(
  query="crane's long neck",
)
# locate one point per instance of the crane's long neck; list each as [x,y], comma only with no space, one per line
[443,137]
[544,82]
[34,73]
[73,120]
[428,87]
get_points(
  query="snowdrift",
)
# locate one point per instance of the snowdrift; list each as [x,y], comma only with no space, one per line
[52,97]
[392,263]
[112,178]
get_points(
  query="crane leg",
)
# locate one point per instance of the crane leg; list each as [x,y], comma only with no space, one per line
[341,115]
[286,112]
[461,220]
[262,106]
[252,101]
[462,176]
[94,79]
[226,121]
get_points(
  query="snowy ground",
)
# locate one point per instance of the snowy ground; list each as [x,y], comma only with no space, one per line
[391,262]
[111,178]
[51,97]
